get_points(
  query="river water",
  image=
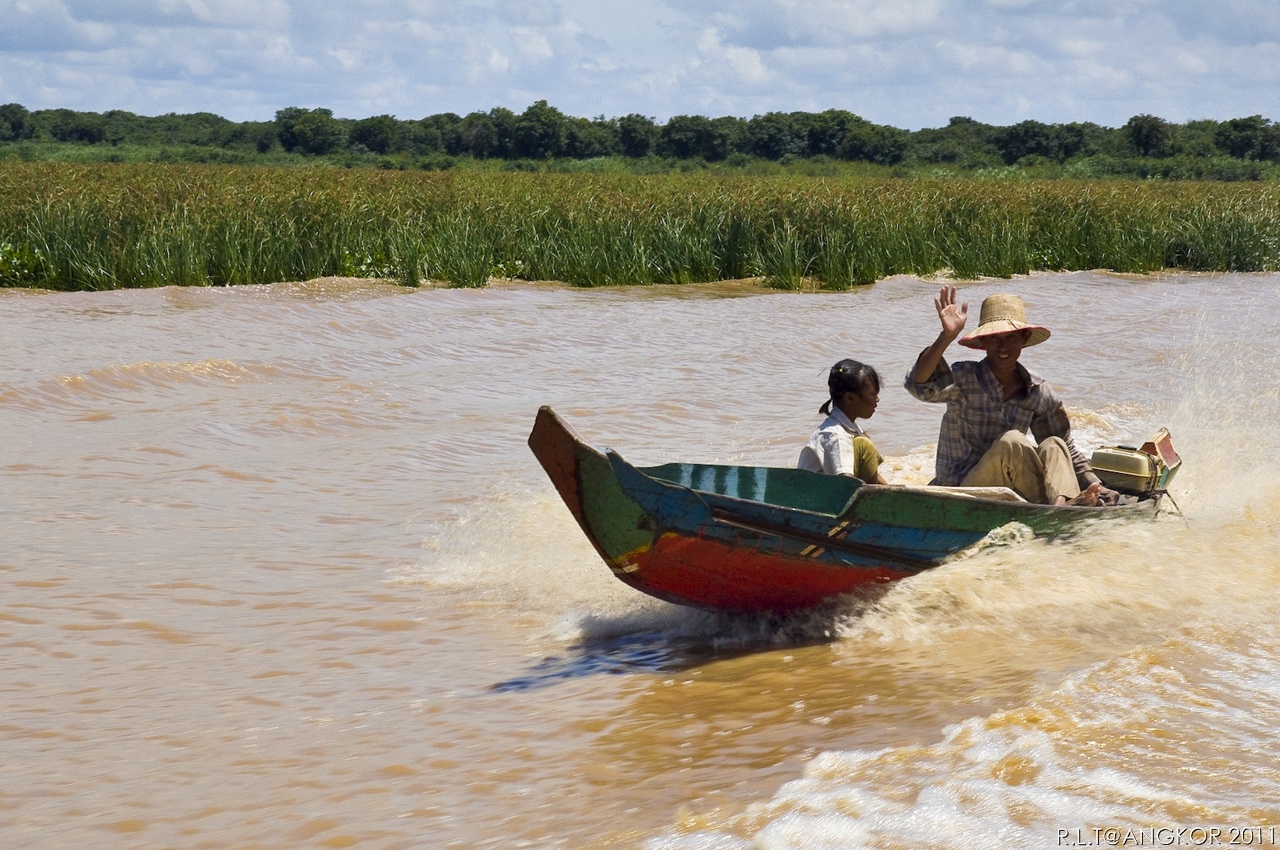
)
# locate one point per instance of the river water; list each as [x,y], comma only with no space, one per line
[278,570]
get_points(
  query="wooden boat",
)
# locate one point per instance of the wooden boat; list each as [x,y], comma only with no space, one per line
[765,539]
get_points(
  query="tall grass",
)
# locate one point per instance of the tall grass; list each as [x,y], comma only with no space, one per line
[68,226]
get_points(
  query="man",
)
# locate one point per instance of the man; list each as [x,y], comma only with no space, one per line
[993,403]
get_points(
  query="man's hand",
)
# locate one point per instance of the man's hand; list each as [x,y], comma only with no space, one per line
[951,315]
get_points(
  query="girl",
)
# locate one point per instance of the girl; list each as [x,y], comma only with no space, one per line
[839,447]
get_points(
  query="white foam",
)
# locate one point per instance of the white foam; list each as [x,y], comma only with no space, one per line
[1108,746]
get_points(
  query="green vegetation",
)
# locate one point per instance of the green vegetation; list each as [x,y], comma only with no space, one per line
[73,226]
[541,138]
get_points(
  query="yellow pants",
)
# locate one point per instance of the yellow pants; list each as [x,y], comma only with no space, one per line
[1037,473]
[866,459]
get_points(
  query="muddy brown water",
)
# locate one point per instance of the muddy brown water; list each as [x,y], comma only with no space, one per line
[278,570]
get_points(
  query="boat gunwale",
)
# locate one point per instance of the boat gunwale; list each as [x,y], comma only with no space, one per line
[933,491]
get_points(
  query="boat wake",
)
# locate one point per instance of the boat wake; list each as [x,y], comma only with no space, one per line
[688,638]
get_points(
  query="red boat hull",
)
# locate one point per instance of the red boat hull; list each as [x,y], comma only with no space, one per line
[709,574]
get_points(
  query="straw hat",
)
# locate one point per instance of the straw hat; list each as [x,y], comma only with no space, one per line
[1000,315]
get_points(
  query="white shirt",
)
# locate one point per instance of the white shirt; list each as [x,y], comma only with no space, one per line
[830,449]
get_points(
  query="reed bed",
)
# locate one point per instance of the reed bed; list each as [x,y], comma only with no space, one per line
[74,227]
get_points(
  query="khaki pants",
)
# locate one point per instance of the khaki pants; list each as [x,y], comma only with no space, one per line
[1037,473]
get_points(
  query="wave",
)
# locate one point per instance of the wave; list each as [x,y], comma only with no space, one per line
[127,381]
[1170,736]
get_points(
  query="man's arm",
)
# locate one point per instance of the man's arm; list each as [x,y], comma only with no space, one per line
[952,316]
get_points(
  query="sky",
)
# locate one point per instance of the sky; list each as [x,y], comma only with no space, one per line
[907,63]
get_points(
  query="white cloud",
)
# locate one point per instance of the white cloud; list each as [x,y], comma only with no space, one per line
[1096,74]
[47,25]
[253,14]
[1239,22]
[532,45]
[741,63]
[1192,63]
[1082,48]
[349,60]
[498,62]
[911,63]
[865,19]
[988,62]
[529,12]
[770,24]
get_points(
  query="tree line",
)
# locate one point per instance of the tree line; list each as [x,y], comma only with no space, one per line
[1146,145]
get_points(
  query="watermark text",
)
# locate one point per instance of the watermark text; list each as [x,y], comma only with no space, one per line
[1170,836]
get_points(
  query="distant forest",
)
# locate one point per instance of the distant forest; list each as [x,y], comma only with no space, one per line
[543,138]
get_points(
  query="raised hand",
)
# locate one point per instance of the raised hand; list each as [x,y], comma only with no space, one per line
[952,315]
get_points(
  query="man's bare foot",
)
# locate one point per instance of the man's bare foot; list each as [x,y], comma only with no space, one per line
[1090,498]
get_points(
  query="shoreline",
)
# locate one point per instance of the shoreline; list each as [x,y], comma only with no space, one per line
[344,284]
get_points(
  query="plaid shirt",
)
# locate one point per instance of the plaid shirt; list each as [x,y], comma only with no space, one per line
[977,415]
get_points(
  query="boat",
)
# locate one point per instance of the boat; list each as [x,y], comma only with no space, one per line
[751,539]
